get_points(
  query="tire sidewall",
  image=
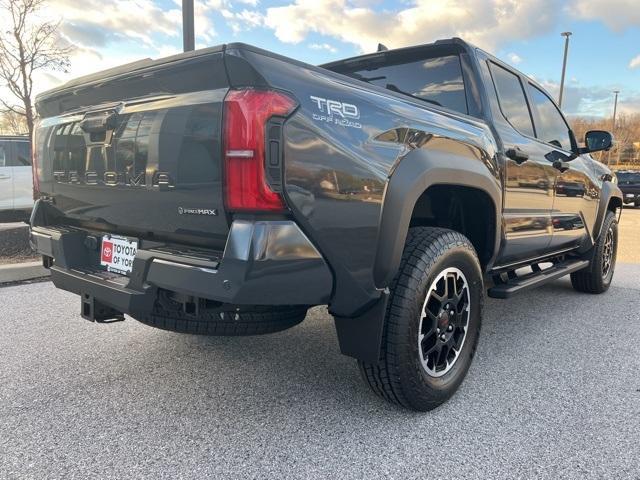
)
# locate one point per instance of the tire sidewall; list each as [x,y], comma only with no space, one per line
[443,387]
[609,223]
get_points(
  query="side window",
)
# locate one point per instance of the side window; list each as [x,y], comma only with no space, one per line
[550,124]
[23,154]
[513,102]
[4,154]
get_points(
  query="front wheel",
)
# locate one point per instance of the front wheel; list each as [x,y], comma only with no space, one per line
[432,322]
[596,278]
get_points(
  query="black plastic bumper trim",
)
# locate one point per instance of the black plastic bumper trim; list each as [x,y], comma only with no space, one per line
[265,263]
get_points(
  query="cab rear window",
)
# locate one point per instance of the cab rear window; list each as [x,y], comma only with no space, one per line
[438,80]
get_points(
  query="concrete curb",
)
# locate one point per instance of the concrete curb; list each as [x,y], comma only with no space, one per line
[19,272]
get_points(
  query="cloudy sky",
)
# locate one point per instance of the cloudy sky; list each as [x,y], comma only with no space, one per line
[604,53]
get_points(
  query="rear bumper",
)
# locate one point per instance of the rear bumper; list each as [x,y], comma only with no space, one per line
[264,263]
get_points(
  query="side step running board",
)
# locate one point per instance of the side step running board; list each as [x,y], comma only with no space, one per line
[516,284]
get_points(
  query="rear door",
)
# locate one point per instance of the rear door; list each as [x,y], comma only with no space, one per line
[576,194]
[22,175]
[6,177]
[528,176]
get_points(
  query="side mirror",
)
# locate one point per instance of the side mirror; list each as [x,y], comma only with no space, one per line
[596,141]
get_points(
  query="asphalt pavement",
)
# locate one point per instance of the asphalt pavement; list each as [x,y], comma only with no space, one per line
[629,240]
[554,392]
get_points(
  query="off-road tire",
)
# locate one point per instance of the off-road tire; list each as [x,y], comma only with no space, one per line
[224,320]
[592,279]
[399,376]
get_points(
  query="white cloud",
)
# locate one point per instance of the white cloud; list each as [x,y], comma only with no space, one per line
[242,21]
[167,50]
[250,18]
[593,100]
[126,19]
[86,23]
[95,33]
[104,37]
[616,14]
[514,58]
[323,46]
[487,23]
[203,25]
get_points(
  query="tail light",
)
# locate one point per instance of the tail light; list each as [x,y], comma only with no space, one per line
[245,122]
[35,165]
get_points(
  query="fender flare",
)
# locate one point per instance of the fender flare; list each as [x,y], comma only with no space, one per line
[416,172]
[609,190]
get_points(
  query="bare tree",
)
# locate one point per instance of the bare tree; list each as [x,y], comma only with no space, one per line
[12,124]
[26,46]
[626,133]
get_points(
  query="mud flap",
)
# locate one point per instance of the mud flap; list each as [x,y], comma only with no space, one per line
[361,337]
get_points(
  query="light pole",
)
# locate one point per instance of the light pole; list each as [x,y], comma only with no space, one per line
[188,30]
[566,36]
[613,121]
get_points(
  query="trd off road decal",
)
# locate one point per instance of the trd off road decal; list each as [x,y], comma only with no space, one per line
[338,113]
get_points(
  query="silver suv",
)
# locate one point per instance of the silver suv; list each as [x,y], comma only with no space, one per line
[16,188]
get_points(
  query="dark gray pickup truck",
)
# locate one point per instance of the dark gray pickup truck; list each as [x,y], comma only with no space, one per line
[629,183]
[227,190]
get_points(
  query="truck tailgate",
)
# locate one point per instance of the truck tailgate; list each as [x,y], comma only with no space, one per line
[137,150]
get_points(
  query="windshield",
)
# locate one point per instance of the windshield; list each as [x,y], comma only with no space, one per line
[628,177]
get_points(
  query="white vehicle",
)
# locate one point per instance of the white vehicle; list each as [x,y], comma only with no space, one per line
[16,188]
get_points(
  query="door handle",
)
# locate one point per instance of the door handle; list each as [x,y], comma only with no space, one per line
[517,155]
[4,177]
[560,165]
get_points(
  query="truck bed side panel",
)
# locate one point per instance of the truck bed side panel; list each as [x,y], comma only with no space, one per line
[337,167]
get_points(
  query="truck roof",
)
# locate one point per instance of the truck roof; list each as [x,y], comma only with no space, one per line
[22,137]
[446,43]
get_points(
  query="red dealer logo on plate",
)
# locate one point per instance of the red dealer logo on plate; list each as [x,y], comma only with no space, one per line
[107,251]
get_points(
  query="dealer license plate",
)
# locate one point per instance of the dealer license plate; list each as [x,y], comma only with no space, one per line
[117,253]
[630,195]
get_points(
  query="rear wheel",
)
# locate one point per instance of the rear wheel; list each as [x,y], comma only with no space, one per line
[596,278]
[432,321]
[214,319]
